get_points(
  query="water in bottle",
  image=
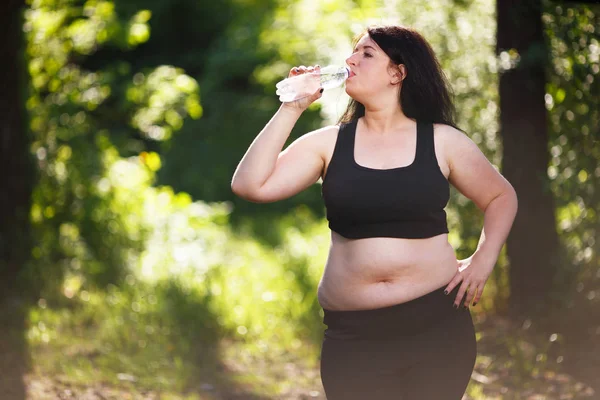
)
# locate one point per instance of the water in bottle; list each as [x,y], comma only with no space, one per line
[299,86]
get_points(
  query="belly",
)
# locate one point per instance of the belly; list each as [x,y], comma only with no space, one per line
[380,272]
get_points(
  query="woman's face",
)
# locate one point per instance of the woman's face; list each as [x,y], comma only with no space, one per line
[370,72]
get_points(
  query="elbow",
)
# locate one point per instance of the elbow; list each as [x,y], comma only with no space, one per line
[238,187]
[512,193]
[506,199]
[239,190]
[247,194]
[511,198]
[235,188]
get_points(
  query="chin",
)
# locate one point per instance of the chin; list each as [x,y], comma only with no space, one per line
[350,92]
[354,94]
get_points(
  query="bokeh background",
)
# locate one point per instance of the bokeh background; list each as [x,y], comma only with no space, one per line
[129,270]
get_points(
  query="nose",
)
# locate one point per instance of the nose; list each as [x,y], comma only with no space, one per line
[350,61]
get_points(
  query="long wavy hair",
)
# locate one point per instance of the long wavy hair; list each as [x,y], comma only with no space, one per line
[425,93]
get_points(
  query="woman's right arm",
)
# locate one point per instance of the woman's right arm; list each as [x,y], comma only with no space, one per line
[267,174]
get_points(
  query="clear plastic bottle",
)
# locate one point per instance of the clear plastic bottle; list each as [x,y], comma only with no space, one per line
[299,86]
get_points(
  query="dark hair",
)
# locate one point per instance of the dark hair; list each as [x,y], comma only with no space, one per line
[425,93]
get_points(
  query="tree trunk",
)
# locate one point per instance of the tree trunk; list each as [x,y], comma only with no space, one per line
[533,246]
[16,169]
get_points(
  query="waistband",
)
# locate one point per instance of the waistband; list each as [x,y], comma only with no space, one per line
[405,319]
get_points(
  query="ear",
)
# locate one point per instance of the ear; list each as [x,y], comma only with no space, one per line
[398,73]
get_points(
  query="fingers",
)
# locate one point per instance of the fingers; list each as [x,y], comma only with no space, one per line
[453,283]
[317,95]
[467,290]
[461,293]
[470,293]
[298,70]
[478,295]
[303,70]
[458,278]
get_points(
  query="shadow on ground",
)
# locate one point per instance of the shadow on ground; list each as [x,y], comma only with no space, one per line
[579,327]
[212,379]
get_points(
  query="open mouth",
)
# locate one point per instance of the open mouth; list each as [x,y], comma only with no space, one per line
[351,74]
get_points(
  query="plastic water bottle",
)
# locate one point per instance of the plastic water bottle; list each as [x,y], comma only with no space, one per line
[304,85]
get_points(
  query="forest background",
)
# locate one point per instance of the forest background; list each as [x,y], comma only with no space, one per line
[128,269]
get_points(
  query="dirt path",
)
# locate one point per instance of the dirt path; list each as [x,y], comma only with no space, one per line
[513,364]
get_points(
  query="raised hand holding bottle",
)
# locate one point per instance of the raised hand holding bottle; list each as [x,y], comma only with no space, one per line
[304,82]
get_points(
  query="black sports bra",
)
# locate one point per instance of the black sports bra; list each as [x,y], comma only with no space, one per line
[403,202]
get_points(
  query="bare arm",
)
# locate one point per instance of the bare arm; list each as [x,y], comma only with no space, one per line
[265,173]
[259,161]
[477,179]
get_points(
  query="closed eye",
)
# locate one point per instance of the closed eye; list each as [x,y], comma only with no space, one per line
[365,54]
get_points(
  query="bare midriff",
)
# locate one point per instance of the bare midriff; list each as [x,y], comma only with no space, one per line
[378,272]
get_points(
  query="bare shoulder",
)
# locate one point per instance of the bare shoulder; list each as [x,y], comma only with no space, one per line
[449,135]
[446,138]
[323,140]
[469,170]
[323,134]
[451,143]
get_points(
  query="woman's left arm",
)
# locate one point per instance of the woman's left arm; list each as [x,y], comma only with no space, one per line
[475,177]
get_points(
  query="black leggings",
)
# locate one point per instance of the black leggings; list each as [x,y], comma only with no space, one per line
[423,349]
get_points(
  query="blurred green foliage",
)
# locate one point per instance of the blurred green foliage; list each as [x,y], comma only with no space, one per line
[162,324]
[237,103]
[87,199]
[127,94]
[573,103]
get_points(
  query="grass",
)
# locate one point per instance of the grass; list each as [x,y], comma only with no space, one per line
[97,343]
[247,327]
[162,350]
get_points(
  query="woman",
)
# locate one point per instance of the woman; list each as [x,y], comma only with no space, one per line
[395,298]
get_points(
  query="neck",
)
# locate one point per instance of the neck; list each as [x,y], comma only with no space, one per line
[383,122]
[385,118]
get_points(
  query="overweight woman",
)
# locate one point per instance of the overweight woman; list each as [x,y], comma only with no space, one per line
[396,300]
